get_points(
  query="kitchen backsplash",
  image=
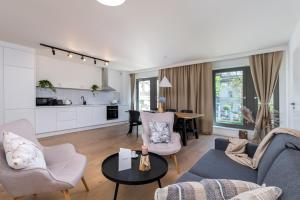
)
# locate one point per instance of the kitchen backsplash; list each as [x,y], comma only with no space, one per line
[75,95]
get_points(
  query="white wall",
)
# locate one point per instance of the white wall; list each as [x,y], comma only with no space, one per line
[66,74]
[240,62]
[292,73]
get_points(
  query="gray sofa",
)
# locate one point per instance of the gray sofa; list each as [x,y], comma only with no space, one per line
[279,166]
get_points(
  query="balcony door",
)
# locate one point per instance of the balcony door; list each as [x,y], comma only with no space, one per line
[147,90]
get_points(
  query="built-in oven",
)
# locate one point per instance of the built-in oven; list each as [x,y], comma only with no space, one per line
[112,112]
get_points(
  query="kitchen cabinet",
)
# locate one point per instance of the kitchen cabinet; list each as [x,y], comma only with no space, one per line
[84,116]
[99,115]
[66,118]
[115,79]
[16,114]
[19,58]
[46,120]
[19,90]
[123,115]
[17,87]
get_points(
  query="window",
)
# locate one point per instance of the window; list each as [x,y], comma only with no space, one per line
[233,89]
[147,89]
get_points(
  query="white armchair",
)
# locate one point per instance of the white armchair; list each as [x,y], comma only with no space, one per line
[164,149]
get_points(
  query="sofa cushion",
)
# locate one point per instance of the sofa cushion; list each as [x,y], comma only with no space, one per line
[22,153]
[276,146]
[208,189]
[285,173]
[188,176]
[262,193]
[215,164]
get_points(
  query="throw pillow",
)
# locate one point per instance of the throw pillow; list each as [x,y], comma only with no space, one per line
[159,132]
[22,153]
[263,193]
[206,189]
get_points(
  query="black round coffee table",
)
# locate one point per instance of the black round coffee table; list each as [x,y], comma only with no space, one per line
[133,176]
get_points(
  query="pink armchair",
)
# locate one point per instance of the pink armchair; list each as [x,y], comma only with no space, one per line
[65,167]
[164,149]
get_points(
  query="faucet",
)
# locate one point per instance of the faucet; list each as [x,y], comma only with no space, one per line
[83,100]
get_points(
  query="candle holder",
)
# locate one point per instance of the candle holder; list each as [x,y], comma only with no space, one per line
[145,163]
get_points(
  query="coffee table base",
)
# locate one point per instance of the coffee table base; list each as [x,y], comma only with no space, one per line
[117,188]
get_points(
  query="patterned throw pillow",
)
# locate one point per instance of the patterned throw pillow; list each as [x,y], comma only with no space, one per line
[159,132]
[263,193]
[22,153]
[206,189]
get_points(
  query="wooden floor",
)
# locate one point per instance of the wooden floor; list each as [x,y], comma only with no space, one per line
[97,145]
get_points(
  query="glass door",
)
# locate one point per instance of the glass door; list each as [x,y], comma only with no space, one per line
[146,94]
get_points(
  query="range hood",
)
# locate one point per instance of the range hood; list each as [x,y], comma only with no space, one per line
[105,87]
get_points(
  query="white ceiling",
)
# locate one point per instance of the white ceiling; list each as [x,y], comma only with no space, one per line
[150,33]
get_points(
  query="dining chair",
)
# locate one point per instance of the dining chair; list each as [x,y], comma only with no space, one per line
[190,123]
[134,120]
[65,167]
[163,149]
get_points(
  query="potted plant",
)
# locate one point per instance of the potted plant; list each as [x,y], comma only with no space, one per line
[46,84]
[94,88]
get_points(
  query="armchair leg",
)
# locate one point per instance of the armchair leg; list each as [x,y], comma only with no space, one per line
[17,198]
[85,185]
[176,163]
[67,194]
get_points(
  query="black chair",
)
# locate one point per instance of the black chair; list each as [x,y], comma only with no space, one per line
[171,110]
[190,124]
[134,120]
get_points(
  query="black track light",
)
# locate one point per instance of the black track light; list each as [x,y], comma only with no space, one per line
[83,58]
[95,61]
[53,51]
[106,63]
[70,55]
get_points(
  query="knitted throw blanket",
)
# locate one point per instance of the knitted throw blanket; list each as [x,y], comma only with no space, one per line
[236,148]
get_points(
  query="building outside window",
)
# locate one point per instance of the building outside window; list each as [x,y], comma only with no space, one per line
[147,90]
[233,89]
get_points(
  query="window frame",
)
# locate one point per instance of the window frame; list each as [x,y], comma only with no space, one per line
[250,99]
[153,92]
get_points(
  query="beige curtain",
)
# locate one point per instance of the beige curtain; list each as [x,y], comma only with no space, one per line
[191,89]
[264,70]
[132,89]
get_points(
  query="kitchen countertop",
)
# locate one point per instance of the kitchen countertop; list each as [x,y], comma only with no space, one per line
[79,105]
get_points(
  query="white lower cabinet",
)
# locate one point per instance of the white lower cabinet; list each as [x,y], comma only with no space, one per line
[123,114]
[51,119]
[16,114]
[99,115]
[84,116]
[66,118]
[46,120]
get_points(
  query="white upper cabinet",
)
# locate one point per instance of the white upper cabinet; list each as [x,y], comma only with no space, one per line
[115,79]
[19,87]
[19,58]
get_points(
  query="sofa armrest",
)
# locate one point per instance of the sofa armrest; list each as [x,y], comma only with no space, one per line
[221,144]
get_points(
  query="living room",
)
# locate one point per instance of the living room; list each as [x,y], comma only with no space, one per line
[128,99]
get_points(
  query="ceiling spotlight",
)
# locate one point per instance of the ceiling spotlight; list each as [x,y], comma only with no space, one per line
[53,51]
[106,63]
[111,2]
[83,58]
[95,61]
[70,55]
